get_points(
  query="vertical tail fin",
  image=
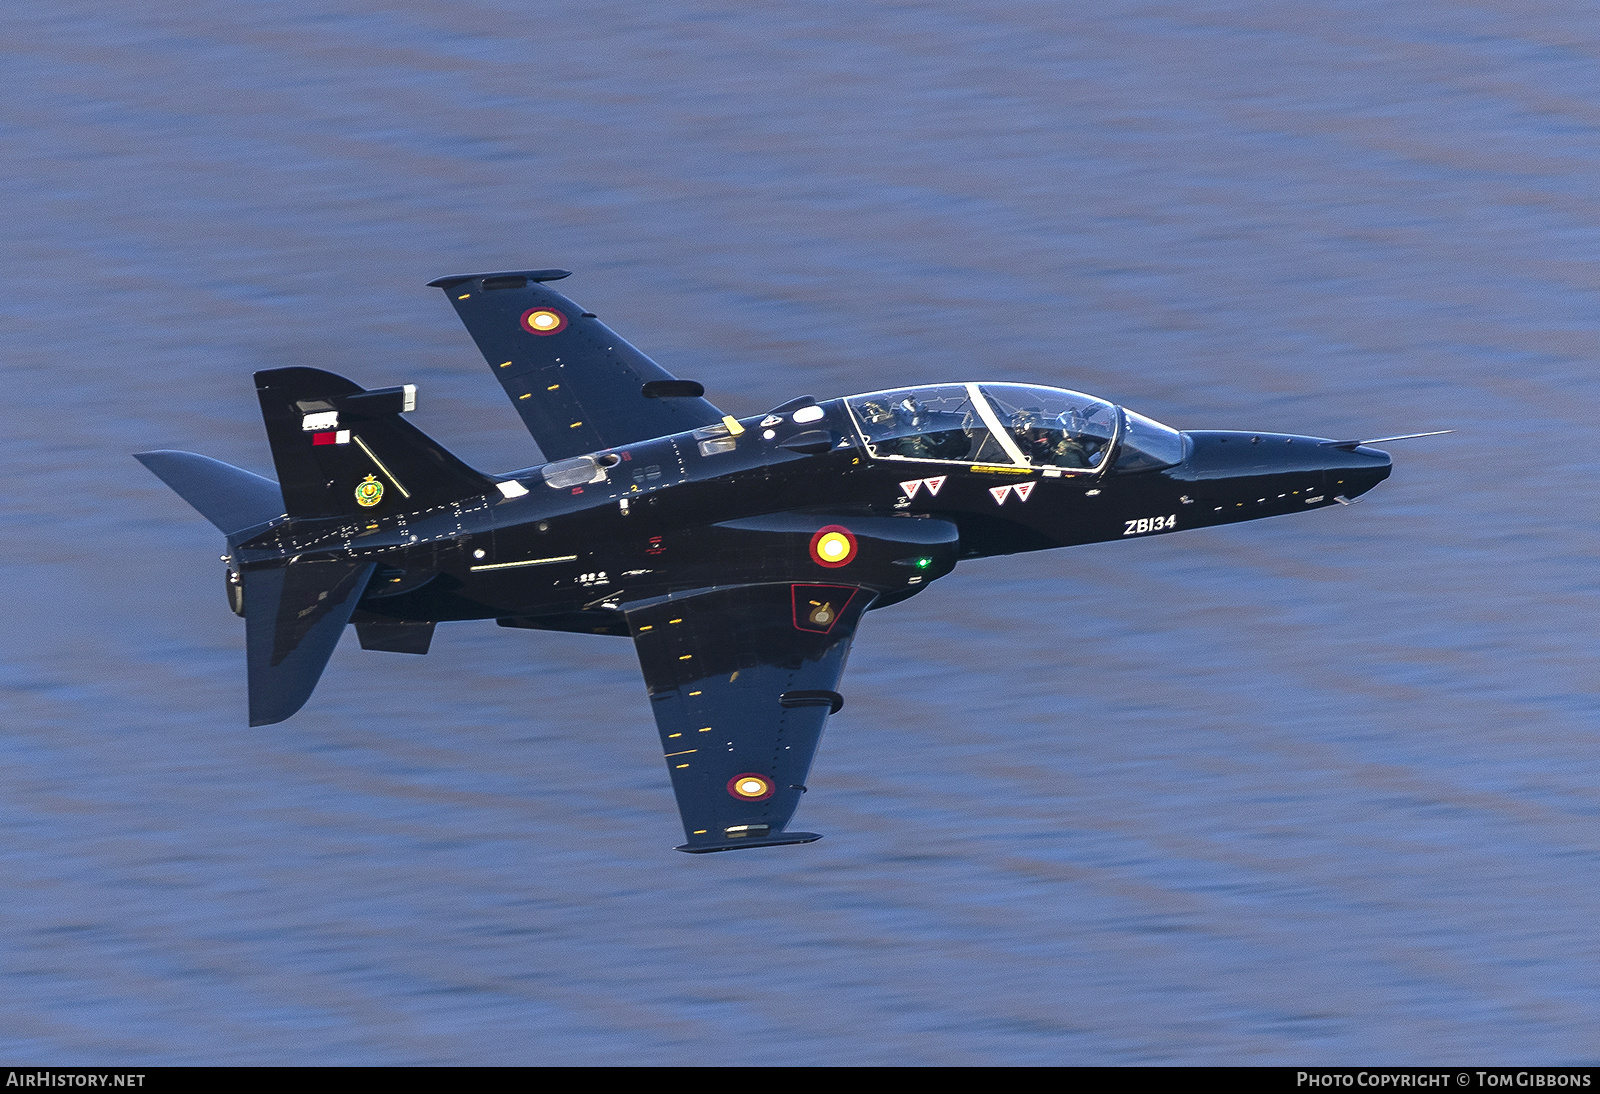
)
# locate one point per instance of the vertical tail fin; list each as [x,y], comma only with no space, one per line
[343,451]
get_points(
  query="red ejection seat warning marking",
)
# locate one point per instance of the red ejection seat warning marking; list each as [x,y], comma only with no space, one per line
[1023,489]
[999,493]
[543,321]
[911,486]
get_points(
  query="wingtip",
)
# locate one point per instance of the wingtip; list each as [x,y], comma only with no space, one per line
[782,839]
[532,275]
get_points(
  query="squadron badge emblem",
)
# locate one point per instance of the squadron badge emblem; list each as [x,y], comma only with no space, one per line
[369,492]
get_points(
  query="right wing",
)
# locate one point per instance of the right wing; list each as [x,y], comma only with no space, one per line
[742,679]
[578,386]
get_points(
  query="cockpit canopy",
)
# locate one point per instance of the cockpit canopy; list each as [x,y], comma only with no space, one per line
[1014,424]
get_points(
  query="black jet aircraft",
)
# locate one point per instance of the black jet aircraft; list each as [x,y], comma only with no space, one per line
[738,554]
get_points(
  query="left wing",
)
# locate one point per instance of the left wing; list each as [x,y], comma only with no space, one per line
[742,679]
[578,386]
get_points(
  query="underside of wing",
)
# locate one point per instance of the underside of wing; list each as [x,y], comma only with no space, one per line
[742,680]
[294,613]
[578,386]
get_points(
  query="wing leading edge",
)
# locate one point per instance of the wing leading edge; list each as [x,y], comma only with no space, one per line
[742,680]
[578,386]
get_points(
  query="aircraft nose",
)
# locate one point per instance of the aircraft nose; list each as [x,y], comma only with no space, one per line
[1283,462]
[1353,470]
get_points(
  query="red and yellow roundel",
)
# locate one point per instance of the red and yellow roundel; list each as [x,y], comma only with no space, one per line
[833,546]
[543,321]
[751,787]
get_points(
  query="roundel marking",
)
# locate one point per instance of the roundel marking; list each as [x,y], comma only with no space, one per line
[751,787]
[833,546]
[543,321]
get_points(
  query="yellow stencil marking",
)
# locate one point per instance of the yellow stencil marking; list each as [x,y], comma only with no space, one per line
[525,396]
[524,562]
[404,493]
[464,296]
[503,364]
[574,425]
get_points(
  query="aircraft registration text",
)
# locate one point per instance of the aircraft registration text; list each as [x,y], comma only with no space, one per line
[1150,524]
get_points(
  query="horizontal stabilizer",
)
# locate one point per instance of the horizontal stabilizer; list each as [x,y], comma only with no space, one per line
[230,497]
[293,616]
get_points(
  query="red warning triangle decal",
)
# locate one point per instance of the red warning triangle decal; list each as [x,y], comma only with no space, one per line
[911,487]
[1023,489]
[999,493]
[934,484]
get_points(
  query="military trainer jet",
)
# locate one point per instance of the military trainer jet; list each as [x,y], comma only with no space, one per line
[738,554]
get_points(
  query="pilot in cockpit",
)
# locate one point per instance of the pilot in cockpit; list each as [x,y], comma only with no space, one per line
[1049,442]
[920,435]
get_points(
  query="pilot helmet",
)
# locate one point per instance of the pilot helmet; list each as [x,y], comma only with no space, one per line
[1030,424]
[875,412]
[911,411]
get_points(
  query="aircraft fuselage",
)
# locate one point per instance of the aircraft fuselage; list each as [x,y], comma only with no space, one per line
[655,517]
